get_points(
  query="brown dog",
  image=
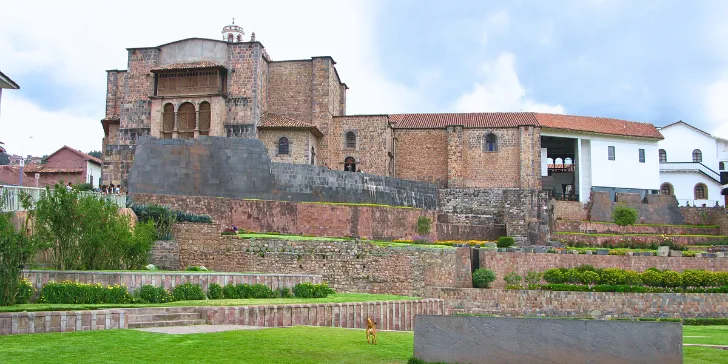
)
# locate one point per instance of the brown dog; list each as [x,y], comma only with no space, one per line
[371,331]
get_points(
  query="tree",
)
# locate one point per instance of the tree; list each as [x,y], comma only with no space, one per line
[17,248]
[4,159]
[44,159]
[95,153]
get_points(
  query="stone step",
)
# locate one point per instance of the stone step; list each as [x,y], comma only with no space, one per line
[160,310]
[140,325]
[150,317]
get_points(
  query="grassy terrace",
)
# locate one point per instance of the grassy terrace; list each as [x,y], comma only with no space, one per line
[668,235]
[670,225]
[282,345]
[340,204]
[333,298]
[321,238]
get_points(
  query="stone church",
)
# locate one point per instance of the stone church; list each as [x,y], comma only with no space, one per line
[231,87]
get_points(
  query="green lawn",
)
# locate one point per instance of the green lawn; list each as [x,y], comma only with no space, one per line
[333,298]
[283,345]
[667,235]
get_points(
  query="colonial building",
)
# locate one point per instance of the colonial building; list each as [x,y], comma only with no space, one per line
[691,164]
[231,87]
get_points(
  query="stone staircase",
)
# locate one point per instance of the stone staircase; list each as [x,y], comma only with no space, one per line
[163,317]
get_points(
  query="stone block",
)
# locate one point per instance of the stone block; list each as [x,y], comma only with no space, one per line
[589,252]
[540,249]
[490,244]
[494,340]
[602,251]
[675,253]
[663,251]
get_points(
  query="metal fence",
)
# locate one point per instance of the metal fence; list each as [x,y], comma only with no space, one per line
[11,197]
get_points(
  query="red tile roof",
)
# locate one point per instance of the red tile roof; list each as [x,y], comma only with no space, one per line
[82,154]
[275,121]
[187,65]
[513,119]
[468,120]
[39,168]
[599,125]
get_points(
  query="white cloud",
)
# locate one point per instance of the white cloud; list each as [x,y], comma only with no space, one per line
[716,107]
[499,89]
[74,42]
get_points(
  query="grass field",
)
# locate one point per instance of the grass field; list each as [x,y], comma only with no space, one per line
[333,298]
[283,345]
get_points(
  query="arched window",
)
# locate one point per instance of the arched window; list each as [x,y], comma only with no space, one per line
[240,38]
[350,139]
[666,189]
[205,117]
[721,166]
[230,37]
[663,156]
[186,120]
[491,143]
[701,192]
[313,156]
[350,164]
[283,147]
[697,156]
[167,121]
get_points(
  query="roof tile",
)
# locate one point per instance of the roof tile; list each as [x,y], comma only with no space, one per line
[187,65]
[468,120]
[599,125]
[279,121]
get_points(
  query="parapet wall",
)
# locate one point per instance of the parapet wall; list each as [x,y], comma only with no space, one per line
[241,169]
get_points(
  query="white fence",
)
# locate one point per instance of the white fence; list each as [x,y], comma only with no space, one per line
[11,196]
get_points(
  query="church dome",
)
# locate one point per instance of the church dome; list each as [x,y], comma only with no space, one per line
[232,33]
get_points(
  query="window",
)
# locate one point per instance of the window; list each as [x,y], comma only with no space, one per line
[350,164]
[205,118]
[313,156]
[230,37]
[701,192]
[697,156]
[610,152]
[721,166]
[666,189]
[167,121]
[663,156]
[186,120]
[350,139]
[642,155]
[283,147]
[240,38]
[491,143]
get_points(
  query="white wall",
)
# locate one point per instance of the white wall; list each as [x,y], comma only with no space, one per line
[544,163]
[93,169]
[585,169]
[683,184]
[680,141]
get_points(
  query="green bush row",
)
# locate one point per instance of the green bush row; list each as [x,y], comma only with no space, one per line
[625,288]
[164,218]
[25,292]
[652,277]
[87,293]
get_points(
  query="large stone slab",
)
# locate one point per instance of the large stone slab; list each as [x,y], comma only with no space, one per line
[495,340]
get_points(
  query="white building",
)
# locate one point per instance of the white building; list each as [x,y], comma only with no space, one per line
[690,164]
[6,82]
[605,155]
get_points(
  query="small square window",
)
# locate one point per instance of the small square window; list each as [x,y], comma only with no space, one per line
[642,155]
[610,151]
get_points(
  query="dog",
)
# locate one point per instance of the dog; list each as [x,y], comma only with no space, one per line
[371,331]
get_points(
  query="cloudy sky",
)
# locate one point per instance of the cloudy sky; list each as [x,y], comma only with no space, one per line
[655,61]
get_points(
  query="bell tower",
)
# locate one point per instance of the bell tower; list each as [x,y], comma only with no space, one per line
[232,33]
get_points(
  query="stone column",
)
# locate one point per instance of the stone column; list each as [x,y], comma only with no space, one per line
[175,133]
[197,124]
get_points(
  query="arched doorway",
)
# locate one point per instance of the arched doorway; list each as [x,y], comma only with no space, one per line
[350,164]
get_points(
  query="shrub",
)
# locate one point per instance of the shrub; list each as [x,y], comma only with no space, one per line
[17,248]
[190,217]
[229,231]
[196,268]
[512,279]
[721,278]
[25,292]
[624,215]
[612,276]
[243,291]
[424,225]
[553,276]
[260,290]
[589,277]
[188,292]
[671,279]
[632,278]
[482,278]
[283,292]
[652,277]
[73,293]
[573,276]
[162,217]
[505,242]
[585,268]
[214,291]
[83,187]
[152,294]
[533,277]
[230,291]
[310,290]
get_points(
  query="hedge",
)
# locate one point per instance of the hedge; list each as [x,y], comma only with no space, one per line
[651,277]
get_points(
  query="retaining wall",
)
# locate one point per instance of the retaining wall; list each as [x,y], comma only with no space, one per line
[598,240]
[605,228]
[599,305]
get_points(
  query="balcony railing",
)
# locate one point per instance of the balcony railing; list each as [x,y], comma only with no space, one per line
[689,167]
[11,196]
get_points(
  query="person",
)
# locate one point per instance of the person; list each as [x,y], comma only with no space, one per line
[69,187]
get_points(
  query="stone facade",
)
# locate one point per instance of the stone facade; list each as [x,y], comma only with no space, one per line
[653,209]
[599,305]
[607,228]
[346,265]
[570,210]
[165,255]
[599,240]
[301,143]
[706,216]
[522,263]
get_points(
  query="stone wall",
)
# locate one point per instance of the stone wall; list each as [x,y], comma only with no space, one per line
[599,240]
[706,216]
[135,280]
[607,228]
[522,263]
[524,213]
[389,315]
[204,167]
[346,265]
[654,209]
[165,255]
[599,305]
[570,210]
[413,146]
[373,143]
